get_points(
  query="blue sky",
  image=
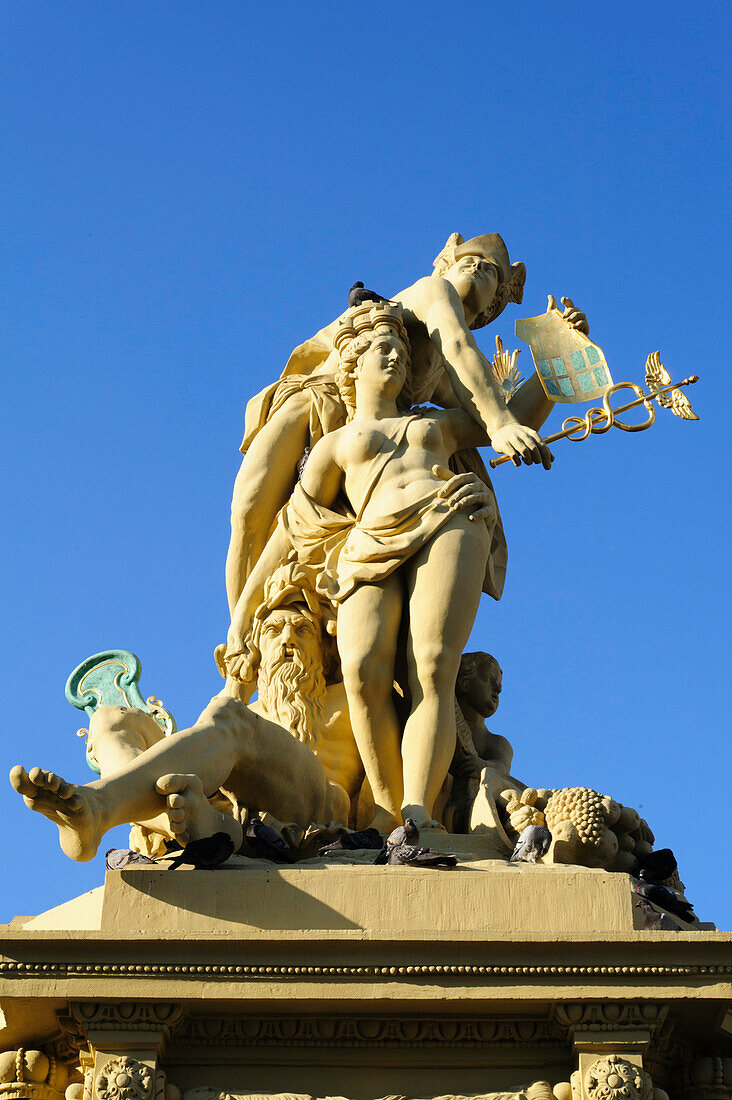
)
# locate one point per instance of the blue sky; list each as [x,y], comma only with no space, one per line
[188,190]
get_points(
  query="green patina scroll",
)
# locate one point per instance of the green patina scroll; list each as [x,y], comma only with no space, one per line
[111,678]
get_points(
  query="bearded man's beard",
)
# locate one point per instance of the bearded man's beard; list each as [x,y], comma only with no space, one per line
[292,693]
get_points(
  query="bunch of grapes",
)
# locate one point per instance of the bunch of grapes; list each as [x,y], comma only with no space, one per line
[583,807]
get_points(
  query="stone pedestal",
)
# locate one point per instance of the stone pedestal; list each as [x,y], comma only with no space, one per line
[341,979]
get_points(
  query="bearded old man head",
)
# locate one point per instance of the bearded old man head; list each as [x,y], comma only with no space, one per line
[291,683]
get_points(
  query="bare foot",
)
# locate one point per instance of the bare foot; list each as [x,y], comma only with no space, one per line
[191,815]
[383,821]
[421,818]
[76,810]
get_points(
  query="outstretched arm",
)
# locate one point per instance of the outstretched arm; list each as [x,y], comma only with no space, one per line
[472,379]
[460,431]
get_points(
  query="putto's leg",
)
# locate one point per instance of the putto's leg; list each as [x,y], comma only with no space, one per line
[118,735]
[76,810]
[190,813]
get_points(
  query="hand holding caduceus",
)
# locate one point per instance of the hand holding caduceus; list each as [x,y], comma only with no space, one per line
[572,369]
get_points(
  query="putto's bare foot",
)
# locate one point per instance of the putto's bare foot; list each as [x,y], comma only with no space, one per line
[76,810]
[190,814]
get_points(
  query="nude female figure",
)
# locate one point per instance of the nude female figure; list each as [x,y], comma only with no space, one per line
[403,552]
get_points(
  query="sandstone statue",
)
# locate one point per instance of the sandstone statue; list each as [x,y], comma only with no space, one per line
[472,283]
[385,514]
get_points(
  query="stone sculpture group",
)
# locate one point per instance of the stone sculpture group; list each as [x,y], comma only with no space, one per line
[365,530]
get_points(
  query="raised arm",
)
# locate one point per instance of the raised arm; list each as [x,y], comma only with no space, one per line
[321,479]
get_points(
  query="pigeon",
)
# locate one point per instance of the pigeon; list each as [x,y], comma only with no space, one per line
[207,853]
[358,294]
[411,855]
[658,866]
[663,897]
[401,849]
[654,921]
[119,858]
[408,833]
[351,842]
[532,844]
[266,843]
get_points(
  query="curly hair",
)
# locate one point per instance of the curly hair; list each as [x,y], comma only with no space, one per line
[356,332]
[469,662]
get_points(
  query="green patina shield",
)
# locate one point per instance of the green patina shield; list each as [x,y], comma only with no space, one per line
[570,366]
[111,678]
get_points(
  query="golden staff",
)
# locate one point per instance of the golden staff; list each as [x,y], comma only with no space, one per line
[599,421]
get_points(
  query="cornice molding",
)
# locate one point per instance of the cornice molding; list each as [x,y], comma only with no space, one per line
[366,1031]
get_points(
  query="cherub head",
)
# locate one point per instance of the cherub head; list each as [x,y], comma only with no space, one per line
[482,274]
[373,347]
[479,683]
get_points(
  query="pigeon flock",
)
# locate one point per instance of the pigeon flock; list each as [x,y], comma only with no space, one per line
[661,907]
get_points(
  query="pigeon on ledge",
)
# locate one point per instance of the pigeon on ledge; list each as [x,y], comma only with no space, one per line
[663,897]
[653,921]
[207,853]
[532,844]
[352,842]
[119,858]
[358,294]
[266,843]
[401,849]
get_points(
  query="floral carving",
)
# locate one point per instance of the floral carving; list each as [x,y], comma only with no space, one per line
[615,1078]
[124,1079]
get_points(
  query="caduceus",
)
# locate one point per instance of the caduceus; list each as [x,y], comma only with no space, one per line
[572,368]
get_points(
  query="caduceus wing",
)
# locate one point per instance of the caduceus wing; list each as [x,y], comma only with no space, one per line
[681,406]
[656,378]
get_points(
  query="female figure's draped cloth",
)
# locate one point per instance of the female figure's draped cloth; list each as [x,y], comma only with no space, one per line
[347,550]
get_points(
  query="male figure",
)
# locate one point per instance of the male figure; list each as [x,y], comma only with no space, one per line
[291,753]
[289,646]
[473,282]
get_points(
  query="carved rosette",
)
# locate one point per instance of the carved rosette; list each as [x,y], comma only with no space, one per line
[615,1078]
[124,1079]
